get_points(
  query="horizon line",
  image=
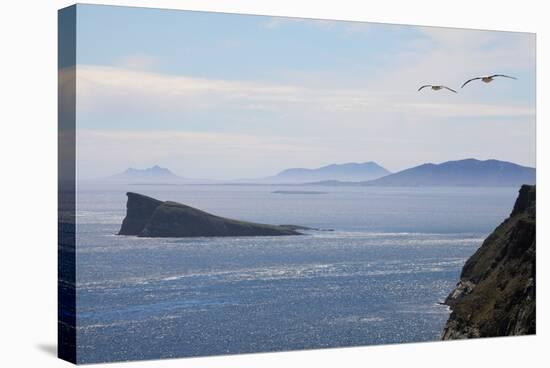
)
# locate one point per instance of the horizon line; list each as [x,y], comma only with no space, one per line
[305,168]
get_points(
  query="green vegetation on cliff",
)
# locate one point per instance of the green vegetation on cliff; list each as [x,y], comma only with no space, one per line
[496,292]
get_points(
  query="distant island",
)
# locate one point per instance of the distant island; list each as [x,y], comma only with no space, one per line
[343,172]
[496,292]
[468,172]
[156,175]
[149,217]
[152,174]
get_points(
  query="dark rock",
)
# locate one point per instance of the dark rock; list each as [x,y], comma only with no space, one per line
[139,210]
[149,217]
[496,292]
[526,200]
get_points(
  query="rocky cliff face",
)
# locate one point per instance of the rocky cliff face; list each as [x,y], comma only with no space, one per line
[139,209]
[496,292]
[149,217]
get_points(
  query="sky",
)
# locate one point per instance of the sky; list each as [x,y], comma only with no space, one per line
[225,96]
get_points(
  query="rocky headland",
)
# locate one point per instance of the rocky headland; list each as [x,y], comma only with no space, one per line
[149,217]
[496,292]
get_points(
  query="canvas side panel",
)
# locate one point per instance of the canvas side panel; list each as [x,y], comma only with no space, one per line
[66,299]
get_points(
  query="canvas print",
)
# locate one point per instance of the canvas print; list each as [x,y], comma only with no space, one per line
[236,184]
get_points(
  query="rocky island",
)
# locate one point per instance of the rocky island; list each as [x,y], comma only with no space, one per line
[496,292]
[149,217]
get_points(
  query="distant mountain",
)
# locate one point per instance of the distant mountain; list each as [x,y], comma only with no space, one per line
[335,172]
[152,174]
[468,172]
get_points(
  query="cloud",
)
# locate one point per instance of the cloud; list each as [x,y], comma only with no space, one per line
[117,89]
[129,115]
[347,27]
[470,110]
[136,62]
[455,37]
[190,154]
[222,155]
[450,56]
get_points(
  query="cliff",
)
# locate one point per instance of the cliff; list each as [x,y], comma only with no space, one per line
[496,292]
[149,217]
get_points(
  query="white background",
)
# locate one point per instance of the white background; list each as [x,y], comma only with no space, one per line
[28,204]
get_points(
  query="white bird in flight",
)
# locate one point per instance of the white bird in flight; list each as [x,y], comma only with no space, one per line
[436,88]
[487,79]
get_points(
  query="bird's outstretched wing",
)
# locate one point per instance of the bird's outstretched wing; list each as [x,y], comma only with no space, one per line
[450,89]
[502,75]
[469,80]
[424,86]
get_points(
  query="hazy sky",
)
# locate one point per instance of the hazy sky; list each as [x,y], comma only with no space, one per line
[226,96]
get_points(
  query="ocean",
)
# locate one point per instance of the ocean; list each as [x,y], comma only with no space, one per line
[377,278]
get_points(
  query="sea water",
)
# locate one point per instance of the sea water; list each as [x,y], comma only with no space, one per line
[378,278]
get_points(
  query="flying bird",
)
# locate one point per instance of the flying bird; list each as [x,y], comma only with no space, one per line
[487,79]
[436,88]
